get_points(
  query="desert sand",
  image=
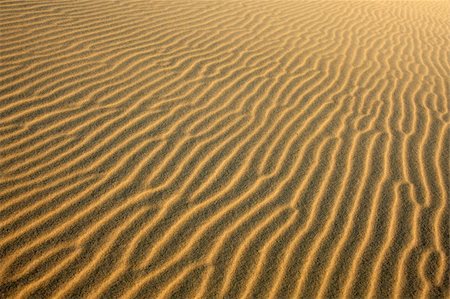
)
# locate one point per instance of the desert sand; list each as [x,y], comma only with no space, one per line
[224,149]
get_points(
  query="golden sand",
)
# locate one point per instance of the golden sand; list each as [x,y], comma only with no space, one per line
[224,149]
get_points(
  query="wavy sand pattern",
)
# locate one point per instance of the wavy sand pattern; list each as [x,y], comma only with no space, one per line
[224,149]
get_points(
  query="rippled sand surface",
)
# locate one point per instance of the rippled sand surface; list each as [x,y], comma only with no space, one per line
[224,149]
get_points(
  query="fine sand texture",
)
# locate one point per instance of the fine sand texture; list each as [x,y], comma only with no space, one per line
[224,149]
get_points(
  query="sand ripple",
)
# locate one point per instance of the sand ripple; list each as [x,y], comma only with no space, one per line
[224,149]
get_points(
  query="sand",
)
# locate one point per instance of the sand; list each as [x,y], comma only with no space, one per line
[224,149]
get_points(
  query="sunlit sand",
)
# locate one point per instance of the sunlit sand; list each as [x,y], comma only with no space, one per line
[224,149]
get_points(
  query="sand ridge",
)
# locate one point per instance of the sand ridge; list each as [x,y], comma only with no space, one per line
[224,149]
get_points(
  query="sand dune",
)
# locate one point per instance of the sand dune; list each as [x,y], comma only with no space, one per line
[224,149]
